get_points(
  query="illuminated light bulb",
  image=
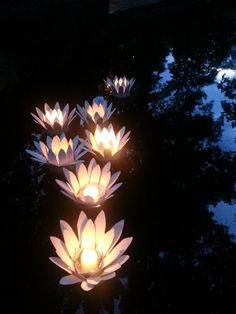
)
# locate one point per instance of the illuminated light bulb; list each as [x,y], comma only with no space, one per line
[88,260]
[91,191]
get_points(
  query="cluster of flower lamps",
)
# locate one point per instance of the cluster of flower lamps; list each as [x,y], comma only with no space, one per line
[92,253]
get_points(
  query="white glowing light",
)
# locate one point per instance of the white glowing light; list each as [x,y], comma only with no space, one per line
[99,109]
[90,186]
[92,254]
[105,139]
[55,117]
[120,87]
[58,151]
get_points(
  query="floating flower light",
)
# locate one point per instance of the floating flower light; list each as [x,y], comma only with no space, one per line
[54,118]
[58,151]
[120,87]
[90,186]
[98,110]
[105,141]
[92,255]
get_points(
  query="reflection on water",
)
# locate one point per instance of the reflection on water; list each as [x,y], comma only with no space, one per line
[179,162]
[213,95]
[225,214]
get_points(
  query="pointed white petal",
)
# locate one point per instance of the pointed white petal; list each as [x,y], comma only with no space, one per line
[113,179]
[116,265]
[40,113]
[73,182]
[108,276]
[95,175]
[105,179]
[100,225]
[62,251]
[60,263]
[124,140]
[118,228]
[69,280]
[83,175]
[71,241]
[88,235]
[106,241]
[117,251]
[113,189]
[106,168]
[63,185]
[82,221]
[71,196]
[37,156]
[91,166]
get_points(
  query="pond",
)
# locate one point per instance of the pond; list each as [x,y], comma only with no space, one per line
[178,197]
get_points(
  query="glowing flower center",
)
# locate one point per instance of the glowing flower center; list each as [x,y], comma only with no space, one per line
[54,115]
[58,144]
[96,109]
[91,193]
[106,140]
[120,82]
[88,260]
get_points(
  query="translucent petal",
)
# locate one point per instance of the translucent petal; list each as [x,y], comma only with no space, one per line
[82,221]
[100,225]
[60,263]
[83,175]
[69,280]
[117,251]
[106,241]
[62,251]
[95,175]
[86,286]
[71,240]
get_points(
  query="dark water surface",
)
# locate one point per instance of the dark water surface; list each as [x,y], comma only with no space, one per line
[178,197]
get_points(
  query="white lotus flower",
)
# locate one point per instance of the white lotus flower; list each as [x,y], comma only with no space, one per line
[54,118]
[91,254]
[58,151]
[97,110]
[105,140]
[92,185]
[120,87]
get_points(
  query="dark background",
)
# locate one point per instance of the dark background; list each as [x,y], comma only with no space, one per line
[173,168]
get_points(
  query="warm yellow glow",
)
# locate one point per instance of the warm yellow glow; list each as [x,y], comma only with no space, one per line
[106,140]
[88,260]
[54,116]
[91,191]
[96,109]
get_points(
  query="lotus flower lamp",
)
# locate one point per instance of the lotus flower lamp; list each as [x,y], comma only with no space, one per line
[105,142]
[90,255]
[55,119]
[120,87]
[58,151]
[90,186]
[98,111]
